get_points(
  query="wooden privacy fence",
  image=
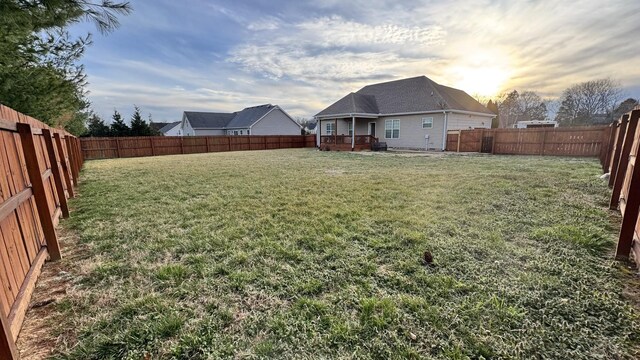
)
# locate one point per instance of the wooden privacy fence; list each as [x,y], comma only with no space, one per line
[122,147]
[39,167]
[625,181]
[575,141]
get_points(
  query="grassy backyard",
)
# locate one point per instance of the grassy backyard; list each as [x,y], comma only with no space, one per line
[301,254]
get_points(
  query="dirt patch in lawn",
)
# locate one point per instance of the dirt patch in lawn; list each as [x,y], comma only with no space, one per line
[39,336]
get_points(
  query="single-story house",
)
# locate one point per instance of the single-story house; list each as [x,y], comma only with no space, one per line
[171,129]
[413,113]
[257,120]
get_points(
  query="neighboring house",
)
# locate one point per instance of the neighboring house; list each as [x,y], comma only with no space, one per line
[171,129]
[410,113]
[257,120]
[535,124]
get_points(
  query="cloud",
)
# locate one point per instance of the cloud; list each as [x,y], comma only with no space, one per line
[333,49]
[304,55]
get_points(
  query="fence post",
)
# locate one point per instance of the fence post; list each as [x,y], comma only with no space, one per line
[181,145]
[622,130]
[117,147]
[65,164]
[55,171]
[206,141]
[37,185]
[8,348]
[74,171]
[493,141]
[544,140]
[459,137]
[623,161]
[153,149]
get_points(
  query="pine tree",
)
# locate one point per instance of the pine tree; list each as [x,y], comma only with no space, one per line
[97,127]
[118,126]
[493,107]
[139,127]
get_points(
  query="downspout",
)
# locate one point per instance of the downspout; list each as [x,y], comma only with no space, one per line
[444,131]
[318,131]
[353,133]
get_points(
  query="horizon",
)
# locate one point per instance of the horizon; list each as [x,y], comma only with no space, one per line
[225,56]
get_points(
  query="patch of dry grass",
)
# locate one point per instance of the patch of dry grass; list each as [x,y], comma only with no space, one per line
[305,254]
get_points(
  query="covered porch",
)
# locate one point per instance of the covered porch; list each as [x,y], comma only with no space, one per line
[347,133]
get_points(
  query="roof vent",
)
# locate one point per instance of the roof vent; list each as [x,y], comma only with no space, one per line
[432,93]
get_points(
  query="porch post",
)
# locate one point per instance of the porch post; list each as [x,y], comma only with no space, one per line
[318,132]
[353,133]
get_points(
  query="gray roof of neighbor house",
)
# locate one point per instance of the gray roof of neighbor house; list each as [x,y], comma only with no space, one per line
[158,125]
[410,95]
[248,116]
[208,120]
[168,127]
[240,119]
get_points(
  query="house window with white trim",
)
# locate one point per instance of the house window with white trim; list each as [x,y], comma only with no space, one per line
[248,132]
[427,122]
[350,128]
[331,128]
[235,132]
[392,129]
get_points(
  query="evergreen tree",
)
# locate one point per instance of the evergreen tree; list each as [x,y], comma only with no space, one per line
[154,131]
[97,127]
[39,70]
[118,126]
[493,107]
[139,127]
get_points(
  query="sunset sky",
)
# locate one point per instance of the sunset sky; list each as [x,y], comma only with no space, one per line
[170,56]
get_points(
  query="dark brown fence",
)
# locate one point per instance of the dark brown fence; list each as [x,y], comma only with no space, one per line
[39,167]
[122,147]
[625,181]
[575,141]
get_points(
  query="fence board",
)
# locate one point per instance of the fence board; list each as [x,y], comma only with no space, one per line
[577,141]
[32,198]
[106,148]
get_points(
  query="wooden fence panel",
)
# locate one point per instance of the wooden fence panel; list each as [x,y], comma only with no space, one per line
[105,148]
[33,193]
[579,141]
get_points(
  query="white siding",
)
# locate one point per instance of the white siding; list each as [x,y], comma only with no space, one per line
[275,122]
[457,121]
[204,132]
[174,131]
[412,135]
[186,128]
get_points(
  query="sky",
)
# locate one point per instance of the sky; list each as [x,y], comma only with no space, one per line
[172,56]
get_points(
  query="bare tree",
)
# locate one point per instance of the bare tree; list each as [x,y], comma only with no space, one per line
[583,102]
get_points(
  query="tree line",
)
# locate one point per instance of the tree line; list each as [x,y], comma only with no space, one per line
[40,70]
[588,103]
[118,127]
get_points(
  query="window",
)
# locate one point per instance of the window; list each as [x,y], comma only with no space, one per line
[240,132]
[248,132]
[427,122]
[392,129]
[235,132]
[350,128]
[330,128]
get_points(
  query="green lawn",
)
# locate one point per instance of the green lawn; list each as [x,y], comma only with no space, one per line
[305,254]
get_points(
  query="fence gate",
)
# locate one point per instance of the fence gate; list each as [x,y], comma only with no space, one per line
[487,144]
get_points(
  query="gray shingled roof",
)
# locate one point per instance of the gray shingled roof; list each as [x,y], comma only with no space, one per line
[208,120]
[158,125]
[404,96]
[168,127]
[248,116]
[353,103]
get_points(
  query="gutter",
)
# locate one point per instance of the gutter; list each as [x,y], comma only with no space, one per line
[444,130]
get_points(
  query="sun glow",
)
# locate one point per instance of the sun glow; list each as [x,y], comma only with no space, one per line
[483,81]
